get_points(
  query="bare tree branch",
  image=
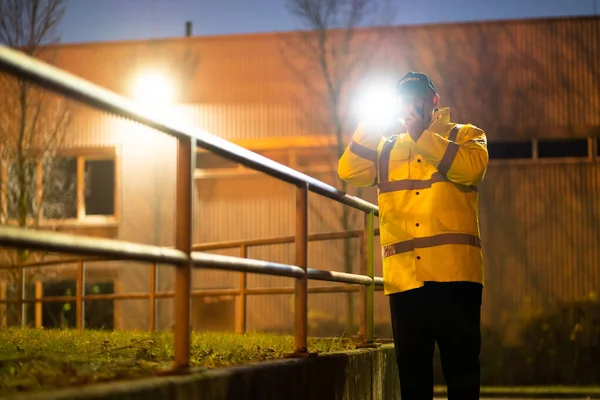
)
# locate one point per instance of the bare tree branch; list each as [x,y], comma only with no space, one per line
[327,60]
[34,124]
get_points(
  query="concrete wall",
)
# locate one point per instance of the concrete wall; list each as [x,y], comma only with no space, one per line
[358,375]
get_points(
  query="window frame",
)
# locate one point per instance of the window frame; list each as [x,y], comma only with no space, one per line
[591,156]
[82,220]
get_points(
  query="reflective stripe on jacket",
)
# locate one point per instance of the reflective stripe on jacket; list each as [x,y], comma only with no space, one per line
[428,200]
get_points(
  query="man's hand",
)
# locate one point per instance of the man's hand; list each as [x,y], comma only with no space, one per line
[417,121]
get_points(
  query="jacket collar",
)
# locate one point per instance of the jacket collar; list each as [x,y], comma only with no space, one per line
[441,116]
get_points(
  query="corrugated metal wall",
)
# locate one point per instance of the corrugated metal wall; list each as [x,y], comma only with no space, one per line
[515,79]
[541,230]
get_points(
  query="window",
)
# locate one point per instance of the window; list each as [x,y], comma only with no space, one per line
[563,148]
[549,149]
[63,188]
[99,187]
[98,314]
[79,187]
[510,150]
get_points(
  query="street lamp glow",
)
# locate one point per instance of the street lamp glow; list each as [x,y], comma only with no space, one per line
[153,88]
[377,106]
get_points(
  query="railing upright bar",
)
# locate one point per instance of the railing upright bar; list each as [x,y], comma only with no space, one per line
[301,293]
[152,296]
[21,294]
[370,272]
[183,242]
[79,293]
[241,316]
[39,295]
[362,289]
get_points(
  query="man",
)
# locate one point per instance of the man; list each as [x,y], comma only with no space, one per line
[431,249]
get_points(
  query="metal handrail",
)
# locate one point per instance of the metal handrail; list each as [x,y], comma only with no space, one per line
[95,96]
[69,243]
[241,292]
[208,246]
[183,256]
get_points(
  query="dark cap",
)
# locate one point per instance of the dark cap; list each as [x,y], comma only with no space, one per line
[414,82]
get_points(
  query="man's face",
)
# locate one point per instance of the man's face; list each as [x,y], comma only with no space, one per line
[416,104]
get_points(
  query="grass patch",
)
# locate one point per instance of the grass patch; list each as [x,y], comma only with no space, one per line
[37,359]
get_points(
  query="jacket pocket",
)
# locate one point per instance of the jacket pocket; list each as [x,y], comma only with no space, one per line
[398,163]
[400,152]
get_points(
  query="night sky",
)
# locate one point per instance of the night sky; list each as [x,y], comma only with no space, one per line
[108,20]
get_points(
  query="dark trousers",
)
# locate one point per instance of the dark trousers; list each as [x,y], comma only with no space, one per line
[446,313]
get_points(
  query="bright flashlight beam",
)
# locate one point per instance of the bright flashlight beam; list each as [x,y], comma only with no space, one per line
[153,88]
[378,105]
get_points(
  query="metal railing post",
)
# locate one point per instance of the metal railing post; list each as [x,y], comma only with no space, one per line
[301,292]
[369,293]
[362,292]
[39,296]
[183,241]
[240,319]
[21,312]
[79,293]
[152,297]
[370,290]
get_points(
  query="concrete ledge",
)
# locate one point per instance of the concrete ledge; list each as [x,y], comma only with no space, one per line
[368,374]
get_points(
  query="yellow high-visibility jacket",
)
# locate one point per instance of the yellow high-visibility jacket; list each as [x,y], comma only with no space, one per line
[428,199]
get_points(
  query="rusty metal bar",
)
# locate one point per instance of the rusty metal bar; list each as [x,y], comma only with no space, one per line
[21,295]
[152,297]
[48,263]
[183,243]
[276,240]
[314,289]
[69,243]
[235,264]
[241,309]
[25,238]
[362,291]
[195,293]
[89,297]
[334,276]
[39,294]
[80,289]
[229,263]
[370,266]
[33,70]
[301,293]
[205,247]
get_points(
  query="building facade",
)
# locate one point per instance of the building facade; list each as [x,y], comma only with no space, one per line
[533,86]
